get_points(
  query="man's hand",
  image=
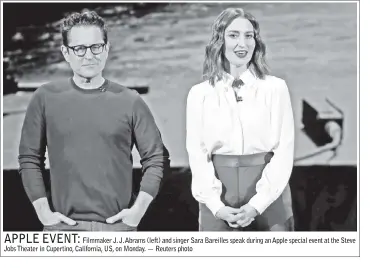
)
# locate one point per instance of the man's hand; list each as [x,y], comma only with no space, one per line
[46,216]
[129,216]
[229,214]
[132,216]
[247,215]
[53,218]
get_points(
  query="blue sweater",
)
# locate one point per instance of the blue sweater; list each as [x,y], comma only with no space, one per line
[89,135]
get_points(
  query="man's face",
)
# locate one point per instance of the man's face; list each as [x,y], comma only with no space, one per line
[86,62]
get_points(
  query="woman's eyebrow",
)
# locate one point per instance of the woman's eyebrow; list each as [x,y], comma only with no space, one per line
[236,31]
[232,31]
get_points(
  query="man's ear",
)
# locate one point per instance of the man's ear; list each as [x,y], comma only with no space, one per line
[65,52]
[107,46]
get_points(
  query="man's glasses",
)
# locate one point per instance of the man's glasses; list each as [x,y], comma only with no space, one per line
[80,50]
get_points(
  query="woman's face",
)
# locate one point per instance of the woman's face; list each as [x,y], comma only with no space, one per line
[239,42]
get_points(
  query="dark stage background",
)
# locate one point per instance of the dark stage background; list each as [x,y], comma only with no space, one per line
[324,199]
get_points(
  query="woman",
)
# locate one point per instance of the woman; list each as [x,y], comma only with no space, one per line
[240,133]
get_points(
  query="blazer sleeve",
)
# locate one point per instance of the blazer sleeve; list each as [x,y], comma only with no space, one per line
[206,188]
[276,174]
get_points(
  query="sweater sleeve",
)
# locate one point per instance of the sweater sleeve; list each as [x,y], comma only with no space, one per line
[275,176]
[32,148]
[148,141]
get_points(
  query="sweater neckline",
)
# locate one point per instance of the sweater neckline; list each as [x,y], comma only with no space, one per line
[100,89]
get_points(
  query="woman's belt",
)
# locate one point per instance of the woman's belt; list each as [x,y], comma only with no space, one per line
[257,159]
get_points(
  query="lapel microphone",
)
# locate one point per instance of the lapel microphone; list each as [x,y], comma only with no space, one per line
[237,83]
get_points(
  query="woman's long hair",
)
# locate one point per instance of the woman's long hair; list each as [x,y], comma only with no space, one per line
[213,66]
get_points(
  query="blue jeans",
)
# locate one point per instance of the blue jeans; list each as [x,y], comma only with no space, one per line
[90,226]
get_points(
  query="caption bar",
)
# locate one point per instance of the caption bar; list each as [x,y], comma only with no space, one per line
[185,244]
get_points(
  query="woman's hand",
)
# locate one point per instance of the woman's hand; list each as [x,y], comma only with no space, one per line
[229,214]
[247,215]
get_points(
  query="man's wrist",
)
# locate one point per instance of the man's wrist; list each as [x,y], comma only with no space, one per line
[137,210]
[41,204]
[142,203]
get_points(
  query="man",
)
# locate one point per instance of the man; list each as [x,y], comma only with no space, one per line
[89,125]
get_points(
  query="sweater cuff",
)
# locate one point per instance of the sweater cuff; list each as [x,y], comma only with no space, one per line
[215,205]
[150,186]
[33,184]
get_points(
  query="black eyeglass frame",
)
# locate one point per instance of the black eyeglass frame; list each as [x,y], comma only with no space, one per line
[101,45]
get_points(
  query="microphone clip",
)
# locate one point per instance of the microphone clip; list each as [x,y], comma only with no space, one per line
[237,83]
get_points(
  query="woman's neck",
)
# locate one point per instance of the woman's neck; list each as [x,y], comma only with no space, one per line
[236,71]
[88,83]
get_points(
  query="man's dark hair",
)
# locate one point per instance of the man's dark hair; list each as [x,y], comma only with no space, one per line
[81,19]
